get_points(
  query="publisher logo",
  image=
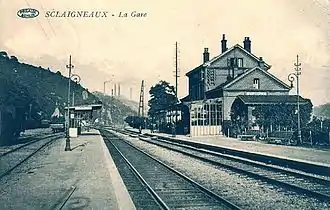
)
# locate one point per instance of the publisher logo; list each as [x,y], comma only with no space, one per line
[27,13]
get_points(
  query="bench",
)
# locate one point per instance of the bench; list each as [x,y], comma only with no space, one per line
[246,137]
[249,135]
[280,137]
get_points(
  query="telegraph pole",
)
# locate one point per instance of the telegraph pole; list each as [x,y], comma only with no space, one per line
[176,87]
[67,143]
[291,78]
[298,73]
[176,70]
[176,82]
[141,106]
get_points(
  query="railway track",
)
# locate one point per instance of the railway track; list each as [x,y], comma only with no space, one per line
[35,139]
[299,182]
[155,185]
[12,159]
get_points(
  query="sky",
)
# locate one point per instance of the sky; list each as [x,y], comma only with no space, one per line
[128,50]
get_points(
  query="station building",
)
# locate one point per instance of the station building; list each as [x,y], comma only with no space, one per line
[235,74]
[78,114]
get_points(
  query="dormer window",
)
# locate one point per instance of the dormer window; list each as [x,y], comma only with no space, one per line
[256,83]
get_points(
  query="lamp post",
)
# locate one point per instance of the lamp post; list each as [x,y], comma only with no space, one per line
[291,78]
[76,79]
[67,143]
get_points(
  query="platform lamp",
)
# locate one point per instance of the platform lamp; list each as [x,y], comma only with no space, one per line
[76,79]
[292,77]
[67,143]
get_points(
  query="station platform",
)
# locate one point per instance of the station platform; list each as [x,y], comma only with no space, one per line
[295,153]
[83,178]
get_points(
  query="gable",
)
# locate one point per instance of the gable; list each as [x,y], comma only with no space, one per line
[267,81]
[237,51]
[195,70]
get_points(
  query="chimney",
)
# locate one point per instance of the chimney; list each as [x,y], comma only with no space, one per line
[119,89]
[206,55]
[115,90]
[247,44]
[261,63]
[223,44]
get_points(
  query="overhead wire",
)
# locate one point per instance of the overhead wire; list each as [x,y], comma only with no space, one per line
[43,29]
[49,23]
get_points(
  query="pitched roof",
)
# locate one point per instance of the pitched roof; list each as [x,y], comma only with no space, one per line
[271,99]
[229,50]
[251,70]
[219,87]
[208,63]
[195,69]
[186,98]
[89,107]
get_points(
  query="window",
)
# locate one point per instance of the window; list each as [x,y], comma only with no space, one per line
[256,83]
[239,62]
[235,62]
[211,77]
[202,75]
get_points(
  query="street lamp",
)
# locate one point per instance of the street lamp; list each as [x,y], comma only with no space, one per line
[67,143]
[292,77]
[76,79]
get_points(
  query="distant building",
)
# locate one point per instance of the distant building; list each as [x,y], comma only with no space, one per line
[56,113]
[216,83]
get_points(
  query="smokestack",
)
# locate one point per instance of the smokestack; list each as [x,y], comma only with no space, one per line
[119,89]
[112,92]
[206,55]
[130,93]
[115,89]
[223,44]
[247,44]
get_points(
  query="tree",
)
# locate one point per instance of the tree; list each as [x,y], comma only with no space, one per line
[162,97]
[136,121]
[13,58]
[4,54]
[282,114]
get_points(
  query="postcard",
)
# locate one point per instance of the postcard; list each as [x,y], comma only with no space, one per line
[164,104]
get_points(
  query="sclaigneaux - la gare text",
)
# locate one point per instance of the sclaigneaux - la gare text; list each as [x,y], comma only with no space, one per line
[82,14]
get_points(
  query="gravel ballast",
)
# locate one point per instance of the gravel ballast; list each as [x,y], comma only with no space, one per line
[245,192]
